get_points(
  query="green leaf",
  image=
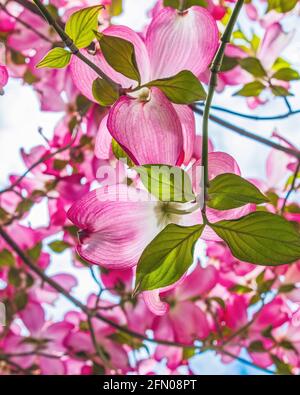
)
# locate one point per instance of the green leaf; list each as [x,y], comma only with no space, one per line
[191,3]
[20,300]
[60,164]
[188,353]
[253,66]
[4,215]
[182,88]
[81,25]
[281,5]
[280,91]
[24,206]
[120,55]
[6,258]
[218,300]
[228,191]
[281,367]
[228,63]
[255,299]
[82,104]
[256,346]
[59,246]
[104,92]
[34,253]
[120,154]
[116,7]
[187,3]
[57,58]
[286,288]
[288,345]
[167,183]
[167,257]
[265,286]
[125,339]
[286,74]
[14,277]
[280,63]
[241,289]
[252,89]
[172,3]
[261,238]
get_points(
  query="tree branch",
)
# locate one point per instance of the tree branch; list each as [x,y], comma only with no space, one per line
[70,44]
[33,267]
[249,116]
[248,134]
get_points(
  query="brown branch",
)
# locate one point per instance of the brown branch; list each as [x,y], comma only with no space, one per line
[25,24]
[28,5]
[43,159]
[33,267]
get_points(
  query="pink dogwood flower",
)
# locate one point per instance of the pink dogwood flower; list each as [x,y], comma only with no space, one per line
[147,118]
[118,215]
[3,77]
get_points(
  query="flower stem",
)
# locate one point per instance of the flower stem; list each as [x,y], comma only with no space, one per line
[215,68]
[70,44]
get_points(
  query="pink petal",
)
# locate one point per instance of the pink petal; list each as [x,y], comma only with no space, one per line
[33,317]
[277,169]
[189,322]
[274,42]
[103,140]
[3,76]
[65,280]
[52,366]
[84,76]
[177,42]
[137,125]
[154,303]
[188,124]
[197,152]
[117,223]
[199,282]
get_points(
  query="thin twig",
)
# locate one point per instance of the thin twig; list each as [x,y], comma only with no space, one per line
[246,362]
[97,347]
[27,261]
[33,267]
[43,159]
[250,116]
[250,135]
[14,365]
[25,24]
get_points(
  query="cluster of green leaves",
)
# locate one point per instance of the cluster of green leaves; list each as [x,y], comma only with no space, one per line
[18,278]
[281,72]
[260,237]
[281,5]
[79,28]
